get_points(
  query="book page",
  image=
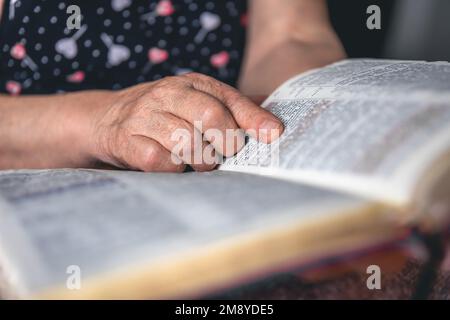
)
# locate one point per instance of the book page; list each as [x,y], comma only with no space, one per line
[369,127]
[108,220]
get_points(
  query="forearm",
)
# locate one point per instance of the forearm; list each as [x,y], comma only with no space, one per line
[286,37]
[284,62]
[47,131]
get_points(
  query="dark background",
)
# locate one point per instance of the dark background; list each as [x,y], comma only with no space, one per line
[349,20]
[411,29]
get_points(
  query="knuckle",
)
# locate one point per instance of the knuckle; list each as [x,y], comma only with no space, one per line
[168,91]
[213,115]
[160,90]
[201,80]
[172,81]
[151,158]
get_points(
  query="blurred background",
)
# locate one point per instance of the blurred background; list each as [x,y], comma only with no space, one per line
[410,29]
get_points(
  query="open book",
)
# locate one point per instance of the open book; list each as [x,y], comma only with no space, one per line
[365,157]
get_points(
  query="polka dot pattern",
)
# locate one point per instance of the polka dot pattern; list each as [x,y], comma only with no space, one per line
[120,43]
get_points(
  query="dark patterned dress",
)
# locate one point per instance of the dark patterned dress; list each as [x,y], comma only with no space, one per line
[120,43]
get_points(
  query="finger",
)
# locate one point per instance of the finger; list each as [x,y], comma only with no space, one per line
[183,140]
[255,120]
[145,154]
[212,118]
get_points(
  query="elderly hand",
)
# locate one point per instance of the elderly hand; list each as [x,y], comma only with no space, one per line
[137,131]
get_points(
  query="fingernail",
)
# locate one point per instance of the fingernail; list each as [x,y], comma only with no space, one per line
[270,130]
[271,124]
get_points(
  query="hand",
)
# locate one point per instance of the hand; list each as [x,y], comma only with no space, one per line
[136,131]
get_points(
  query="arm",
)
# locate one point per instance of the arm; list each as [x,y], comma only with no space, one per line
[49,130]
[132,128]
[286,37]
